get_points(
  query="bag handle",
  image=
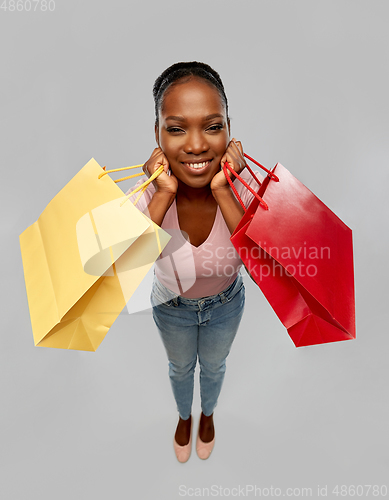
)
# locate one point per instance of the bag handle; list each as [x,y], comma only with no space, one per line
[269,172]
[271,175]
[142,187]
[119,169]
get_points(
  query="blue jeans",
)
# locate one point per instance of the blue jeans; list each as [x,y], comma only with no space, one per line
[204,327]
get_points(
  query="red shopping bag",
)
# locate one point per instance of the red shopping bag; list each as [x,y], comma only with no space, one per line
[300,254]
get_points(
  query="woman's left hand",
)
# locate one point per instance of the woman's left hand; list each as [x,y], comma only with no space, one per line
[235,158]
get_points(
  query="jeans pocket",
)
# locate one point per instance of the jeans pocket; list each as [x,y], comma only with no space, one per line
[238,288]
[158,298]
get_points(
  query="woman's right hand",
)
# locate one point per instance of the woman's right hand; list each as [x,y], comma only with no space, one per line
[163,183]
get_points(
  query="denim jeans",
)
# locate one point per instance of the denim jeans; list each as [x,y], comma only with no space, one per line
[203,327]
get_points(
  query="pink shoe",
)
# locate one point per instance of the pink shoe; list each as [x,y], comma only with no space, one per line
[204,449]
[183,452]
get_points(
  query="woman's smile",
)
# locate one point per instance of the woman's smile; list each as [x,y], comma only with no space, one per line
[197,167]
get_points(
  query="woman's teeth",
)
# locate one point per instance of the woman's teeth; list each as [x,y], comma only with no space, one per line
[197,165]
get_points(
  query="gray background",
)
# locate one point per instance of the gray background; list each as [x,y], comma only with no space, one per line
[307,85]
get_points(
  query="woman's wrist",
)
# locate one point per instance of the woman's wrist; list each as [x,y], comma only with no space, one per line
[222,192]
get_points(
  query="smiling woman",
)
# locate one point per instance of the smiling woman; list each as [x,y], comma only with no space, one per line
[198,293]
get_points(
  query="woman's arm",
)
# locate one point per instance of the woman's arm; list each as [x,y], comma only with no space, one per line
[221,190]
[231,210]
[165,187]
[229,206]
[158,206]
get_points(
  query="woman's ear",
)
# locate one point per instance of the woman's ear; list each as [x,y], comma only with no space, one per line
[229,128]
[156,130]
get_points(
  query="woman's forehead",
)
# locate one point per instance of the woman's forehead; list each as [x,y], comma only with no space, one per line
[192,97]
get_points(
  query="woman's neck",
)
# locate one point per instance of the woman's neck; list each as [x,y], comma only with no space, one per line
[194,195]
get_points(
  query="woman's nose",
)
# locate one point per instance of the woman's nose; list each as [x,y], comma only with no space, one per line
[195,143]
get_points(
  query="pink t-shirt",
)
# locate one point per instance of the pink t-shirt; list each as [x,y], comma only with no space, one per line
[195,272]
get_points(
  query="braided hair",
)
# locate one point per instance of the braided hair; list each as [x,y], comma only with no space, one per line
[181,70]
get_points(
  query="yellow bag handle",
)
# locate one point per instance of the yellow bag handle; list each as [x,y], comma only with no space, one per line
[142,187]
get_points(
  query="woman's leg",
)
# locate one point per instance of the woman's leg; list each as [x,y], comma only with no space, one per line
[178,330]
[180,342]
[216,336]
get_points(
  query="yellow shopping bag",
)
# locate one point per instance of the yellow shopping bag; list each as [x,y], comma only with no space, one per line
[84,258]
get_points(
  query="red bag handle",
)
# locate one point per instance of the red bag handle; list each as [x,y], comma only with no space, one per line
[270,174]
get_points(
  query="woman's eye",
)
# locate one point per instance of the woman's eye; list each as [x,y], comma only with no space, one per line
[174,129]
[212,128]
[219,126]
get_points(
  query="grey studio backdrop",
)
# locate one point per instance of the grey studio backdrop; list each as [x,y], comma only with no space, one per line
[307,86]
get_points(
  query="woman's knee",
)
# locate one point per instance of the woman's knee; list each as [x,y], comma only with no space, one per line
[180,368]
[213,366]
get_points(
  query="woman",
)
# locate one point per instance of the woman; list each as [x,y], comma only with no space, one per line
[198,293]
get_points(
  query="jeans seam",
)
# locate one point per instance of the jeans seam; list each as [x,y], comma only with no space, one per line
[233,296]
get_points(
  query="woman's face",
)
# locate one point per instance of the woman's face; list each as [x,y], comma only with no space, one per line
[193,131]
